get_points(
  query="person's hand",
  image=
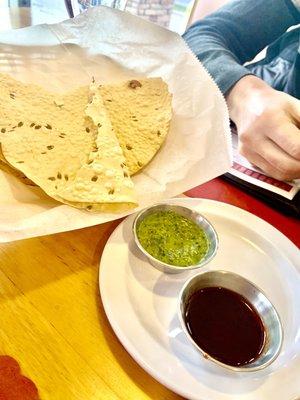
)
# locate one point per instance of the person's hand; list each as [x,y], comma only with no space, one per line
[268,123]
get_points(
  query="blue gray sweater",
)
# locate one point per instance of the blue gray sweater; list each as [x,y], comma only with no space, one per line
[227,39]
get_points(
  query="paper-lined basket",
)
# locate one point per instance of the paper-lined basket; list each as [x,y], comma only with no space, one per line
[111,46]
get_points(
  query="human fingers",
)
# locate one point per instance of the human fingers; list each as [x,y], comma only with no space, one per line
[279,159]
[287,137]
[294,110]
[262,163]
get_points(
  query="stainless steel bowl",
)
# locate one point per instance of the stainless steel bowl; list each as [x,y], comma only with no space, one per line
[265,309]
[188,213]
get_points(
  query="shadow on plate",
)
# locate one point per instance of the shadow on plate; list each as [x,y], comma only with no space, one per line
[208,373]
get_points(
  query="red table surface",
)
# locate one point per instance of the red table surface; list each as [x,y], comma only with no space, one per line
[218,189]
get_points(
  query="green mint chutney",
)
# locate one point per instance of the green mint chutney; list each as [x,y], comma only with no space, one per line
[172,238]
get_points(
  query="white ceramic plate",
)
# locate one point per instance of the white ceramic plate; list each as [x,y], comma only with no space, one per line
[141,305]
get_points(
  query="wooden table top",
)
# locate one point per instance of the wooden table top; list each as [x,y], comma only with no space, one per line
[52,318]
[54,325]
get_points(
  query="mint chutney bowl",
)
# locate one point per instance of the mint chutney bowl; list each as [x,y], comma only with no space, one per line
[181,230]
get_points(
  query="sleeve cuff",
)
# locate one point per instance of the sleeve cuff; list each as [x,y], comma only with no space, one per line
[226,73]
[226,82]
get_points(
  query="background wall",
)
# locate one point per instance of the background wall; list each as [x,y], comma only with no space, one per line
[175,14]
[158,11]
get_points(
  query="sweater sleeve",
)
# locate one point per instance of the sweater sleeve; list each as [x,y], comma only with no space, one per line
[236,33]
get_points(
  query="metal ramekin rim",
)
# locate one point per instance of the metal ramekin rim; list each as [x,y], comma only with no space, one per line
[163,264]
[208,356]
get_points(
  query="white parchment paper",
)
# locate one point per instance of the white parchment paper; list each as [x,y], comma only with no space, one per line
[111,46]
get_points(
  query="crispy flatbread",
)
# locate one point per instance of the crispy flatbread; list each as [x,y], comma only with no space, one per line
[4,166]
[140,112]
[51,140]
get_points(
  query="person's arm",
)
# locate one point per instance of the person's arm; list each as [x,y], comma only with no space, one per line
[267,121]
[236,33]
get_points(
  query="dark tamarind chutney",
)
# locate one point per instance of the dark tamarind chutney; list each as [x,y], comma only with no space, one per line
[225,325]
